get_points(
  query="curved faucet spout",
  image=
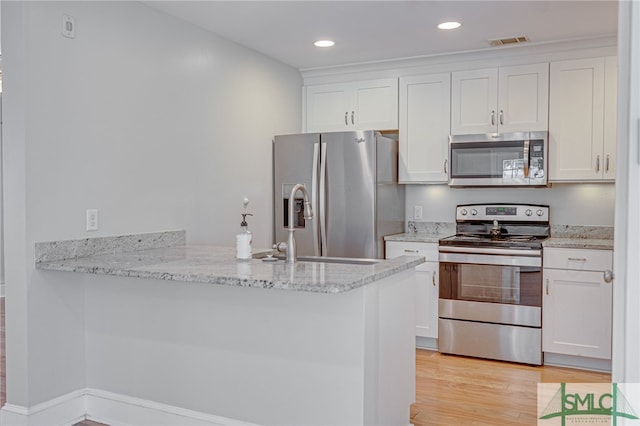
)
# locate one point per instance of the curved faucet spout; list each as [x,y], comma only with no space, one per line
[308,214]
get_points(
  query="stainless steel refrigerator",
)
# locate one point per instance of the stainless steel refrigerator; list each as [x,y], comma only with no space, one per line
[352,178]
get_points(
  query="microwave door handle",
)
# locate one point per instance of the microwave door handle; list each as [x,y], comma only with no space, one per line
[526,158]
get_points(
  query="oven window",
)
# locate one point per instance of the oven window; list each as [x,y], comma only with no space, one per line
[485,160]
[515,285]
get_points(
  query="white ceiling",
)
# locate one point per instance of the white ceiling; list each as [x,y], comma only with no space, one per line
[380,30]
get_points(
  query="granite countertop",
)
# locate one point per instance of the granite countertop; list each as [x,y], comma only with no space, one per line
[416,237]
[562,236]
[580,237]
[218,265]
[579,243]
[424,232]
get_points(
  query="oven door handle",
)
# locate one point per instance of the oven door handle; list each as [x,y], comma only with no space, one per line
[489,259]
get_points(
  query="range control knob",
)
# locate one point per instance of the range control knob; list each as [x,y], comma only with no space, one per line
[539,212]
[463,212]
[528,212]
[474,212]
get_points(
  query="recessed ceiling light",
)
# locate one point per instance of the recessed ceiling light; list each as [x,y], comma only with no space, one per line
[449,25]
[324,43]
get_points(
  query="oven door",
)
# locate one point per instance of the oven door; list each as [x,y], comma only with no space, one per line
[499,289]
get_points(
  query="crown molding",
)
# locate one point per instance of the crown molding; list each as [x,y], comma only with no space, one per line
[494,56]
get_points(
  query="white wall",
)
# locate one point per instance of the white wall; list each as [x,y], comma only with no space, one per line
[626,291]
[155,122]
[571,204]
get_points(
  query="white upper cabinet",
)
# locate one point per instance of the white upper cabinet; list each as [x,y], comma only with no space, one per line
[361,105]
[610,117]
[507,99]
[582,120]
[425,105]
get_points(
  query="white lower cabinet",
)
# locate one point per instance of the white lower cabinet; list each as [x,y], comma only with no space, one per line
[577,302]
[426,301]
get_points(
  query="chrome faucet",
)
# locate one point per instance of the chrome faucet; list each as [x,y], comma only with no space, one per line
[290,246]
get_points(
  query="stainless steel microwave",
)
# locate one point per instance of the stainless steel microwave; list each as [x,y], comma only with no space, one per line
[498,159]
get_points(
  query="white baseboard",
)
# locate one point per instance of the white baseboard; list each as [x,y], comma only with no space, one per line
[426,343]
[65,410]
[109,408]
[117,409]
[580,362]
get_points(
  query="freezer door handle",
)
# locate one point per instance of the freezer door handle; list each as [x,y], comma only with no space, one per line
[323,200]
[314,198]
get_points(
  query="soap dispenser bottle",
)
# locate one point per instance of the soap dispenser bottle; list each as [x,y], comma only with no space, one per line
[243,239]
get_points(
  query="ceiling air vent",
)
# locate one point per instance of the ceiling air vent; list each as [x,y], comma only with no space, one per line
[508,41]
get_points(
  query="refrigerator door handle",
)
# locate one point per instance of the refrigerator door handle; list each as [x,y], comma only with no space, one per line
[323,199]
[314,199]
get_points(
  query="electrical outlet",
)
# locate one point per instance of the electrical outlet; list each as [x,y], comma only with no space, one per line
[68,26]
[417,212]
[92,219]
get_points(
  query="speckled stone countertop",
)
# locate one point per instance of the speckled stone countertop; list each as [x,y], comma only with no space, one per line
[579,243]
[580,237]
[562,236]
[217,265]
[424,232]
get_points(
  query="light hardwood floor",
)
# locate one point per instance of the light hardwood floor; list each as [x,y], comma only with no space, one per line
[453,390]
[456,391]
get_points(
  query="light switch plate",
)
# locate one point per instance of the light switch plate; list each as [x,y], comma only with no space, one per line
[417,212]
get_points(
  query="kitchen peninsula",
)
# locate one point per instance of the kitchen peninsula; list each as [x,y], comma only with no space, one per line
[193,332]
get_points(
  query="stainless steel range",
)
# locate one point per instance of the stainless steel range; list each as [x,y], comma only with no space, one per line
[490,303]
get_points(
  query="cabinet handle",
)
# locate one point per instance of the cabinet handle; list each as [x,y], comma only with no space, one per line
[501,117]
[547,290]
[608,276]
[598,164]
[433,278]
[606,165]
[411,251]
[446,171]
[576,259]
[352,120]
[346,114]
[493,117]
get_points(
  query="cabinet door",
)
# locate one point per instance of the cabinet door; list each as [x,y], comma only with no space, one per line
[610,116]
[409,248]
[374,105]
[327,107]
[576,120]
[523,98]
[576,313]
[425,105]
[426,302]
[474,99]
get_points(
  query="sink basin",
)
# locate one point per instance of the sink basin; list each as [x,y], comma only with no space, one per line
[343,260]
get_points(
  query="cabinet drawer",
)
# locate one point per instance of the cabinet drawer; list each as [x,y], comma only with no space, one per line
[578,259]
[405,248]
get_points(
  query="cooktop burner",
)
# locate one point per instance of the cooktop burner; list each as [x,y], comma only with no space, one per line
[524,242]
[519,226]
